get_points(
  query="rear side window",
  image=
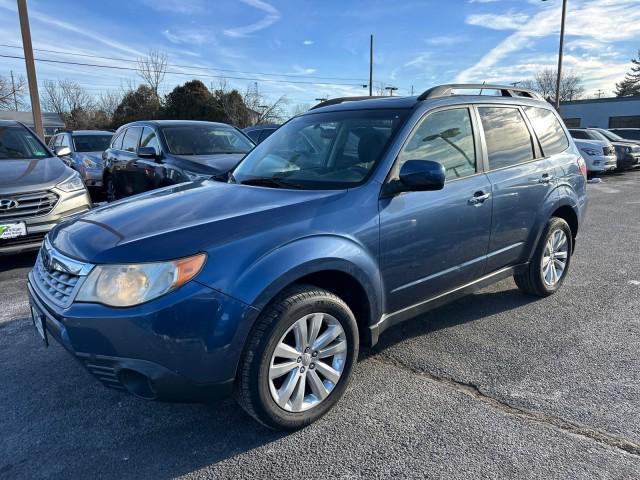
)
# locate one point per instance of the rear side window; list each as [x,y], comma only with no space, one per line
[508,139]
[131,138]
[548,129]
[117,140]
[445,137]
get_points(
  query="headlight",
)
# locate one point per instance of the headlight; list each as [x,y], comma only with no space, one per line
[71,184]
[193,176]
[88,163]
[129,285]
[590,151]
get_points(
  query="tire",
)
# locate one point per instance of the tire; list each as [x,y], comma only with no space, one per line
[279,324]
[110,189]
[533,280]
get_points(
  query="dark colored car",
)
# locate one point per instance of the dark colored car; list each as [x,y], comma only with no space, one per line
[627,133]
[147,155]
[37,190]
[266,284]
[259,133]
[82,151]
[627,151]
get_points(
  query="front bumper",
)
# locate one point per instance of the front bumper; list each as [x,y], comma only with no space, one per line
[92,177]
[629,160]
[183,346]
[68,205]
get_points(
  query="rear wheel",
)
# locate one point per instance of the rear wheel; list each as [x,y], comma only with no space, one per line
[550,263]
[298,359]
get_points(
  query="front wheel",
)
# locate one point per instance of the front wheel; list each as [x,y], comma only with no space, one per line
[550,263]
[298,359]
[110,189]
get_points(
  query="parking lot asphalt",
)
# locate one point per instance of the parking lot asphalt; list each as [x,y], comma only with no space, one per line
[495,385]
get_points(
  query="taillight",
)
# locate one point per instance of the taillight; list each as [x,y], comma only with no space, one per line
[583,167]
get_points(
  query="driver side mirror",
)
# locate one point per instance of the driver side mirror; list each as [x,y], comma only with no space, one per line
[417,176]
[147,152]
[62,151]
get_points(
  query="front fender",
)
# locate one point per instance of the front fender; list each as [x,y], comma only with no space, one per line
[273,272]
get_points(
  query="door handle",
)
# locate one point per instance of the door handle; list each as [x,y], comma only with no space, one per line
[479,198]
[546,178]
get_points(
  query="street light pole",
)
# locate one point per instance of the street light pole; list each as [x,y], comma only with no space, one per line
[558,80]
[391,90]
[31,68]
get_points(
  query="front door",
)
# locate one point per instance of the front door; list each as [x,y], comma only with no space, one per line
[431,242]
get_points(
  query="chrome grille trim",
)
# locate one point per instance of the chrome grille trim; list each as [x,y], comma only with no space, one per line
[58,277]
[34,204]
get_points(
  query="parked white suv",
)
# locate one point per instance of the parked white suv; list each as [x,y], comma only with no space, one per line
[599,155]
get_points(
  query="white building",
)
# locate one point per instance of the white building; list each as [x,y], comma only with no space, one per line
[616,112]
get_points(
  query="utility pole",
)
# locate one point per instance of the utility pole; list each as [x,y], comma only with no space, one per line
[564,16]
[31,68]
[13,89]
[371,66]
[412,90]
[599,92]
[391,90]
[515,84]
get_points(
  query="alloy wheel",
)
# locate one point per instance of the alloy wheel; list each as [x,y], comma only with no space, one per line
[554,258]
[307,362]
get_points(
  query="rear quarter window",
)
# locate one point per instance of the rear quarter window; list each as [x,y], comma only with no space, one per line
[507,136]
[548,129]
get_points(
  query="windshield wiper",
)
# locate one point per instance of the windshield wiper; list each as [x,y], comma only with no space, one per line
[270,182]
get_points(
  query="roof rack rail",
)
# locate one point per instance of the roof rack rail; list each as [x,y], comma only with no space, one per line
[505,90]
[336,101]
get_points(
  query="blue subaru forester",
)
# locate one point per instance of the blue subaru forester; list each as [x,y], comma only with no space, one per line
[350,218]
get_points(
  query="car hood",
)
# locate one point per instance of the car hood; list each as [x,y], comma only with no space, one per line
[181,220]
[21,175]
[213,164]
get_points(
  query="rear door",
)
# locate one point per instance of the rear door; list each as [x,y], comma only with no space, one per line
[431,242]
[521,179]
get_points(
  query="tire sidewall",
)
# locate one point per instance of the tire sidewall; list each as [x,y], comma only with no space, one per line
[275,415]
[553,225]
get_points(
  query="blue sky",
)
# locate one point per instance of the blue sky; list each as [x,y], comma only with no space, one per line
[316,48]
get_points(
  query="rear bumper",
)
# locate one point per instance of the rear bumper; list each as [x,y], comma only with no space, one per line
[601,163]
[184,346]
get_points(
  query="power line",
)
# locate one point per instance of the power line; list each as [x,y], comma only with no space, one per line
[59,52]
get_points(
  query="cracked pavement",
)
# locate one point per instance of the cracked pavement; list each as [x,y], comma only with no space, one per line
[495,385]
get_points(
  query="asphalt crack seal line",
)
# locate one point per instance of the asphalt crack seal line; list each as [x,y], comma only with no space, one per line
[472,391]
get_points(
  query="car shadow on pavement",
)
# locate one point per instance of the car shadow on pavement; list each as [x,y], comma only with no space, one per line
[22,260]
[467,309]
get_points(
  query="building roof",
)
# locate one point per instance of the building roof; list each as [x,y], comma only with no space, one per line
[49,119]
[602,100]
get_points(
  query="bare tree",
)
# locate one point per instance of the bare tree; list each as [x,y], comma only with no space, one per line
[544,82]
[11,93]
[71,101]
[300,108]
[152,69]
[108,102]
[262,109]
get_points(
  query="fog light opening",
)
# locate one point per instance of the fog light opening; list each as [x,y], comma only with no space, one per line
[137,384]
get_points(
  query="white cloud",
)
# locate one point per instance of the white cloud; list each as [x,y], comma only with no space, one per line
[445,40]
[308,42]
[188,36]
[506,21]
[592,24]
[185,7]
[483,1]
[271,17]
[303,71]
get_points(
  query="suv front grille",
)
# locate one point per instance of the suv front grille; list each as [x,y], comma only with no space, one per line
[58,277]
[27,205]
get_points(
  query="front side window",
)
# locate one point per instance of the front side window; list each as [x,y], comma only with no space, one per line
[117,140]
[149,139]
[18,142]
[131,139]
[445,137]
[507,136]
[91,143]
[331,150]
[205,140]
[548,129]
[64,140]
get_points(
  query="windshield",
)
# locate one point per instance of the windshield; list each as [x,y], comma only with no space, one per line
[205,140]
[596,135]
[610,135]
[331,150]
[18,142]
[91,143]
